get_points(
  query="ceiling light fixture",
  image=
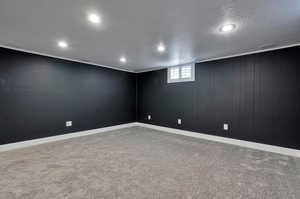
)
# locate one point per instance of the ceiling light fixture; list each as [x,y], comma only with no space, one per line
[228,28]
[123,59]
[62,44]
[94,18]
[161,48]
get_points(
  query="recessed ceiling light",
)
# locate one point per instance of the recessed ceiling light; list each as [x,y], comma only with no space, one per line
[62,44]
[161,48]
[94,18]
[123,59]
[227,28]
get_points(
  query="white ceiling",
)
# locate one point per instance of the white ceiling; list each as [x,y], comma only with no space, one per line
[133,28]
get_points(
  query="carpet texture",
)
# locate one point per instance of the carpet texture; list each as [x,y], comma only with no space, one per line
[139,163]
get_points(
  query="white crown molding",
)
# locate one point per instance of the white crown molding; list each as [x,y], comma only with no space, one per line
[29,143]
[249,53]
[151,69]
[64,58]
[223,57]
[252,145]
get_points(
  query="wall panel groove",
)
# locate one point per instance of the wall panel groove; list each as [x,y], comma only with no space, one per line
[258,95]
[39,94]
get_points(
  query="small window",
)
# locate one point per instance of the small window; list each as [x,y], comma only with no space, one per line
[183,73]
[186,72]
[174,73]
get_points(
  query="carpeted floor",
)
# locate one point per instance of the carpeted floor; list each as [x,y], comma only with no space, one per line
[138,163]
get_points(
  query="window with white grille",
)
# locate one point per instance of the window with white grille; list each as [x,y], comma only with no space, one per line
[184,73]
[174,73]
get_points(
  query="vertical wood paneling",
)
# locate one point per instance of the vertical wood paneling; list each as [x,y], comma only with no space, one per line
[258,95]
[39,94]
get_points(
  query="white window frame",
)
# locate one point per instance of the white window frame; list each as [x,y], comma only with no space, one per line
[170,70]
[180,79]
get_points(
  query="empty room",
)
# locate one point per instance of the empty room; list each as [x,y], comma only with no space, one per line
[149,99]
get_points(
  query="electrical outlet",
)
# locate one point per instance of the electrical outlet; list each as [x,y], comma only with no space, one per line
[179,121]
[225,127]
[149,117]
[68,123]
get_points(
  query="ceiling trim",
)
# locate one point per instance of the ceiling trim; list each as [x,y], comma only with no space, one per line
[249,53]
[163,67]
[151,69]
[223,57]
[64,58]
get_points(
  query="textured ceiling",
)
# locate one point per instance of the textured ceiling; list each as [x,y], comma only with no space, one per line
[189,29]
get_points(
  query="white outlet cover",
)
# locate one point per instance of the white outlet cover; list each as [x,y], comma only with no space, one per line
[225,127]
[179,121]
[68,123]
[149,117]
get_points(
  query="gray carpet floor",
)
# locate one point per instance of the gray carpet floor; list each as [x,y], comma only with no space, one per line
[142,163]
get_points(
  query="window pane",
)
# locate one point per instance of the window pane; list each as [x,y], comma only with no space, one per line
[174,73]
[186,72]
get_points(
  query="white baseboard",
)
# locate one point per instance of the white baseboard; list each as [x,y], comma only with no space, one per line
[18,145]
[252,145]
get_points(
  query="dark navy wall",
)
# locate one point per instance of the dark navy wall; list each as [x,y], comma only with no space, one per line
[258,95]
[39,94]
